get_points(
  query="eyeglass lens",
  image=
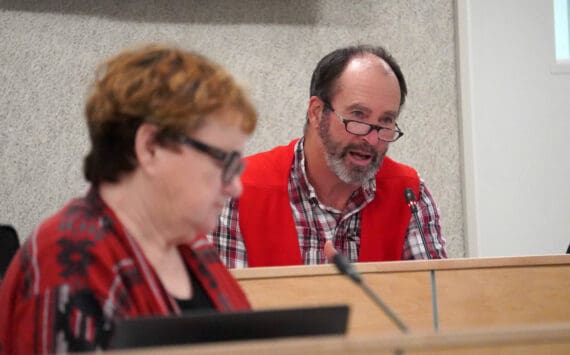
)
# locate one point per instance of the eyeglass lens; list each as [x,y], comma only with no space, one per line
[361,128]
[233,167]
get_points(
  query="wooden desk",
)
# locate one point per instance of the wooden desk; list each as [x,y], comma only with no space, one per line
[467,292]
[550,339]
[515,305]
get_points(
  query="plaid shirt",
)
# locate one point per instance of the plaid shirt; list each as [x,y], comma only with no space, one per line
[317,223]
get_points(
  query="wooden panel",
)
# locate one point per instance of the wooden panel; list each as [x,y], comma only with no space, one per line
[408,294]
[494,296]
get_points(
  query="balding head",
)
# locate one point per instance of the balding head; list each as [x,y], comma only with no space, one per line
[330,68]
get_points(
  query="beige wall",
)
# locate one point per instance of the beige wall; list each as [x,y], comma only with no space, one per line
[49,50]
[515,121]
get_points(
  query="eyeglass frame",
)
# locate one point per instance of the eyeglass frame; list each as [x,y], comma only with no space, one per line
[231,162]
[346,121]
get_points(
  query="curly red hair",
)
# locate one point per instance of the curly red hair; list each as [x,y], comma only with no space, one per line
[168,87]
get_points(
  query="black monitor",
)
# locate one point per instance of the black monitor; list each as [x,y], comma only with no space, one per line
[209,327]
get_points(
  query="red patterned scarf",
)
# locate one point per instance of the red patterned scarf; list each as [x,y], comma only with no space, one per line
[79,271]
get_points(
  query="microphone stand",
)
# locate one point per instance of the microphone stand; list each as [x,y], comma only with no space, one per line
[412,203]
[346,268]
[389,312]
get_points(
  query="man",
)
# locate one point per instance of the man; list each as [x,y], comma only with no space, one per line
[336,182]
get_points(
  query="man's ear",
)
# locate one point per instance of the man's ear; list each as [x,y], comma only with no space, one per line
[315,111]
[146,145]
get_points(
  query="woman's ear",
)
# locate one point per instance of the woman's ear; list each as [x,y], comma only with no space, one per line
[146,145]
[315,111]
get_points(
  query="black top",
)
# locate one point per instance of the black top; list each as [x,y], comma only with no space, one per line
[200,299]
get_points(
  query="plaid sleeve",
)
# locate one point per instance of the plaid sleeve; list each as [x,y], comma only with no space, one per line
[428,214]
[227,237]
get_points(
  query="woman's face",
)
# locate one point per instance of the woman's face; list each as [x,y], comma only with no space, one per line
[189,182]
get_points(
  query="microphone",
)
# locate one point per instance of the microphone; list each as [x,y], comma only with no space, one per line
[346,268]
[413,204]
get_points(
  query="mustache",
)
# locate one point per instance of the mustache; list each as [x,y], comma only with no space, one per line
[362,147]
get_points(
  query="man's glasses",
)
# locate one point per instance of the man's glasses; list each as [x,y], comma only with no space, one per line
[362,129]
[232,163]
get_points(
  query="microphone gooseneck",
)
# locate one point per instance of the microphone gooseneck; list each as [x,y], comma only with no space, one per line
[346,269]
[413,204]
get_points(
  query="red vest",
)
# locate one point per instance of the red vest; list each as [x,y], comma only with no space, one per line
[267,224]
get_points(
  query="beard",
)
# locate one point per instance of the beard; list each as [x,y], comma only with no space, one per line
[335,155]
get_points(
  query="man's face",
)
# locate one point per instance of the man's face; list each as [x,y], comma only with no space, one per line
[367,91]
[353,163]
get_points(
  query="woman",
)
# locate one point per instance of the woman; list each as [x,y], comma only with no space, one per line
[167,130]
